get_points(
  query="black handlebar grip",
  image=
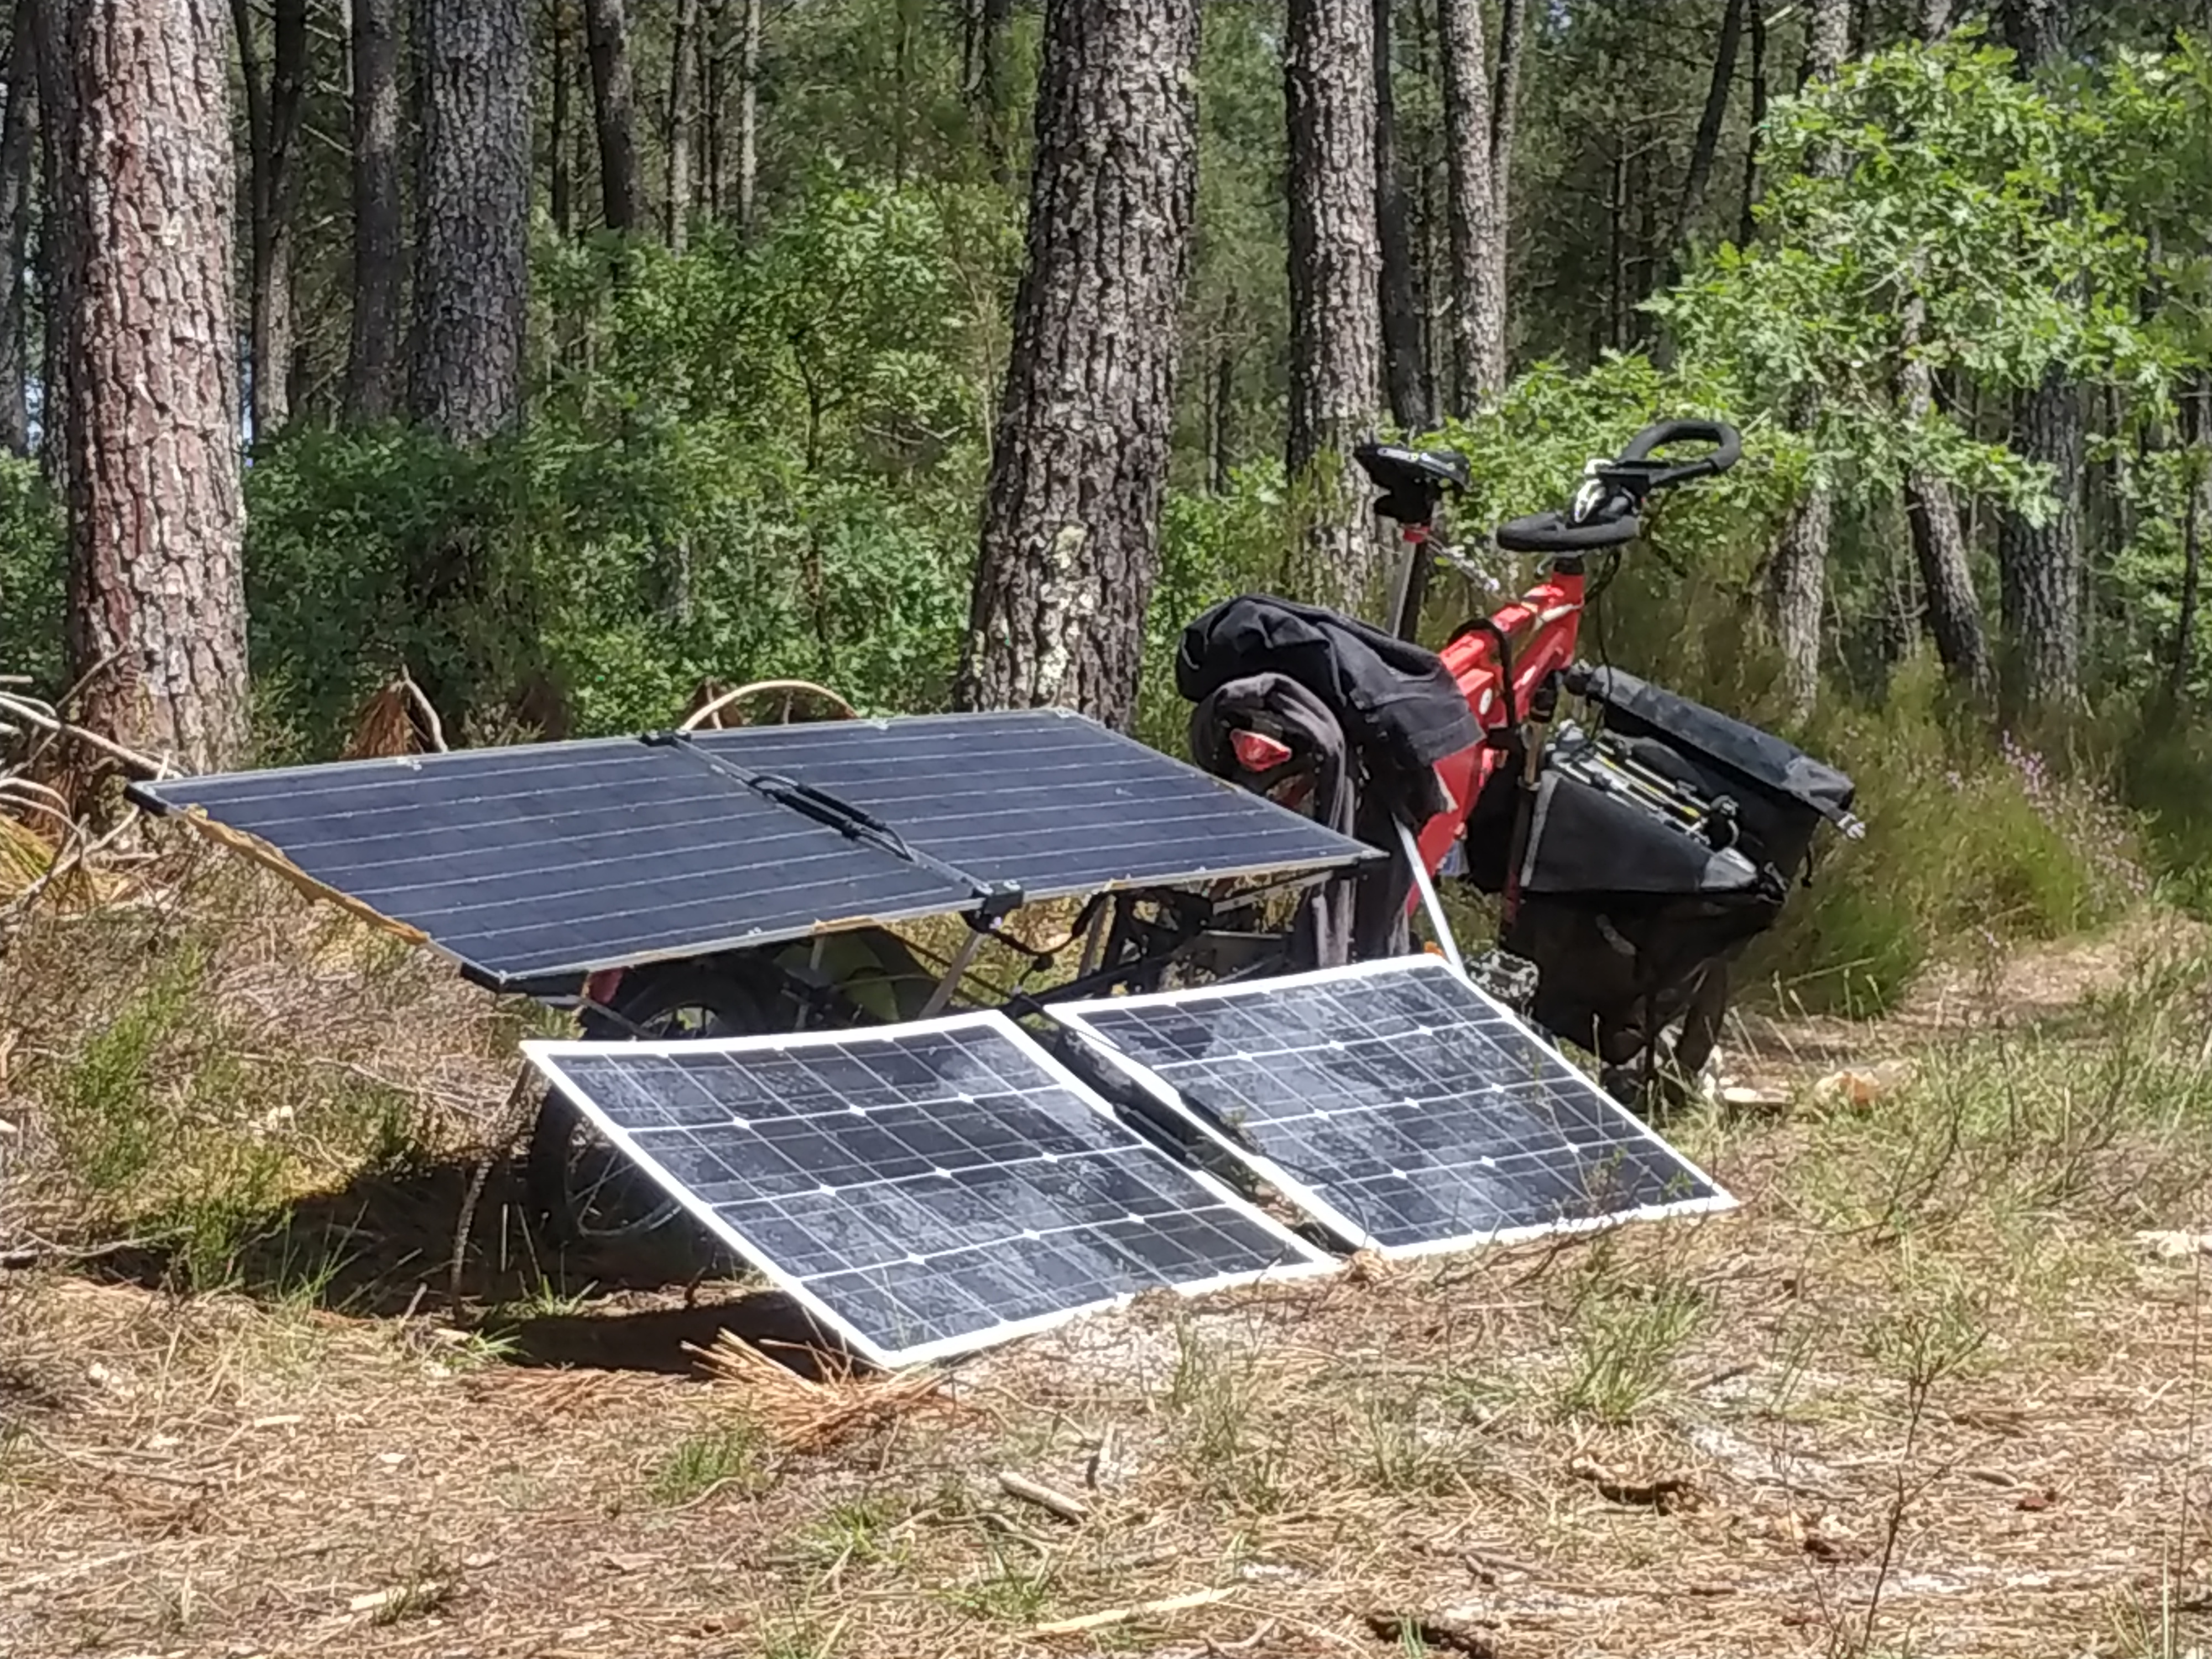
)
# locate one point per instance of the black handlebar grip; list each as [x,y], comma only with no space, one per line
[1552,532]
[1727,442]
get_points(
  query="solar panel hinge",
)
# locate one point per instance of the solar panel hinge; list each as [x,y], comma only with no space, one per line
[998,898]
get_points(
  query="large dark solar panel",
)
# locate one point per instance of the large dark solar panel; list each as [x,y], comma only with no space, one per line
[552,860]
[1044,798]
[924,1189]
[1402,1108]
[559,858]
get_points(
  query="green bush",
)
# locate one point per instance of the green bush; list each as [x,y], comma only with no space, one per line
[32,553]
[1965,846]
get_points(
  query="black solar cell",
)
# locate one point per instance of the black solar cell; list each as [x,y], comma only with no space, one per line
[1399,1105]
[923,1190]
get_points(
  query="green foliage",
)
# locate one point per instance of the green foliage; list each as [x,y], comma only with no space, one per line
[1964,847]
[1928,203]
[746,462]
[31,566]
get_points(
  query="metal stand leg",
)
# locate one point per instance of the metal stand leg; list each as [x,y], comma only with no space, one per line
[962,961]
[1436,910]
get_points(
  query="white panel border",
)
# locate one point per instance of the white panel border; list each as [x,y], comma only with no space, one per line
[1300,1259]
[1073,1015]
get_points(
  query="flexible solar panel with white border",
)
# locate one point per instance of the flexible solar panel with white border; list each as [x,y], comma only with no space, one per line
[1397,1104]
[544,860]
[921,1189]
[1044,798]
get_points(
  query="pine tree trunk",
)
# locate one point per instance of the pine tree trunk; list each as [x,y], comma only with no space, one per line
[1403,348]
[1335,278]
[2195,524]
[560,186]
[54,102]
[1798,575]
[749,52]
[18,135]
[1746,228]
[607,37]
[714,107]
[682,77]
[2039,565]
[1704,148]
[372,367]
[472,221]
[156,596]
[1504,115]
[1478,311]
[991,90]
[274,108]
[1070,528]
[1939,540]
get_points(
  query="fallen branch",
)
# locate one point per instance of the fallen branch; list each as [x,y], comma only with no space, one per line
[1045,1497]
[421,701]
[1205,1598]
[23,708]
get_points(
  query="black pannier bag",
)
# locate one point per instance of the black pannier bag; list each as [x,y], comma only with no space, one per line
[1657,846]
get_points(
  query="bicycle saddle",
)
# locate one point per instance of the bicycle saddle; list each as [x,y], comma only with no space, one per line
[1413,481]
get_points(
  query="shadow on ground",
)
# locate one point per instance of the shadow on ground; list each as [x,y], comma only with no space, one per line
[381,1247]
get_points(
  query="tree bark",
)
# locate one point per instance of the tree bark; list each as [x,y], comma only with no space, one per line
[18,134]
[1403,347]
[2039,565]
[991,90]
[378,270]
[1335,277]
[472,221]
[1478,310]
[157,604]
[1696,181]
[1798,575]
[749,52]
[683,78]
[1505,118]
[1953,612]
[2195,524]
[1746,218]
[54,102]
[607,38]
[274,107]
[561,184]
[1939,542]
[1078,467]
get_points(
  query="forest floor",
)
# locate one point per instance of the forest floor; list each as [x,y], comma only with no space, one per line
[1942,1385]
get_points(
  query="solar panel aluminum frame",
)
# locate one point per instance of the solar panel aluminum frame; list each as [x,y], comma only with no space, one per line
[1303,1195]
[1301,1259]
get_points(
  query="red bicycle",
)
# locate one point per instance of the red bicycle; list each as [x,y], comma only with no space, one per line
[1634,853]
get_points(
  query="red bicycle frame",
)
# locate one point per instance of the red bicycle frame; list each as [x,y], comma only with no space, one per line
[1538,632]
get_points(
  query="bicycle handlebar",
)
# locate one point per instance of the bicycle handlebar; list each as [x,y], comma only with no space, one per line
[1608,508]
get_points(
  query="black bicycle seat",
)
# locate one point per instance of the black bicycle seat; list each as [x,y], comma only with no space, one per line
[1413,481]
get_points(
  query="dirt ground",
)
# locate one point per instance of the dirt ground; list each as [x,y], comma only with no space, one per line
[1939,1386]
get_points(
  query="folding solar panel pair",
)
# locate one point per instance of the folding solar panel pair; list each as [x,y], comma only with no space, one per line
[930,1188]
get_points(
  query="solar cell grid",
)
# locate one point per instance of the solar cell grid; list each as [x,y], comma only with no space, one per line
[1402,1108]
[923,1189]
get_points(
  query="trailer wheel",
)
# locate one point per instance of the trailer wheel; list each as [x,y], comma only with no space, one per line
[584,1189]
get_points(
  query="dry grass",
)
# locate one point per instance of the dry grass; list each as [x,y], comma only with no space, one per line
[1924,1394]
